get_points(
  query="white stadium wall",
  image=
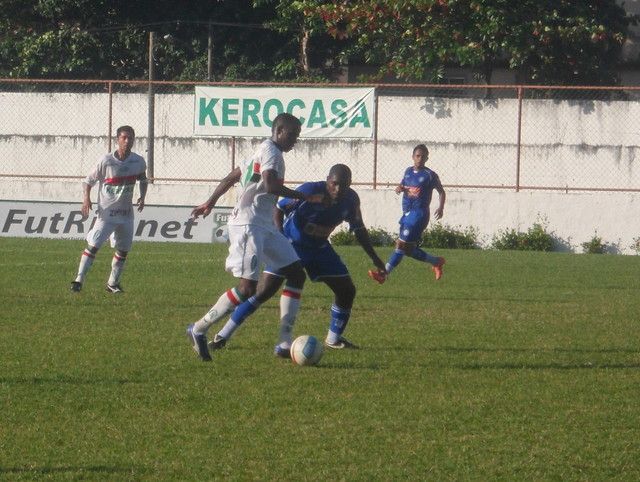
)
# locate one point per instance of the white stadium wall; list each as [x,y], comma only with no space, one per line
[472,141]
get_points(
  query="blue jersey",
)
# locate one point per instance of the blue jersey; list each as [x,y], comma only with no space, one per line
[310,224]
[418,188]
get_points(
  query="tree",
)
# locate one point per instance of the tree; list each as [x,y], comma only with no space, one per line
[109,39]
[545,41]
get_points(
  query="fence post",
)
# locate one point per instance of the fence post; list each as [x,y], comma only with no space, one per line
[519,140]
[110,121]
[375,138]
[150,110]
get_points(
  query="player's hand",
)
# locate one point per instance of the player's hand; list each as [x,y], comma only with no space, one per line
[399,188]
[86,208]
[202,210]
[140,204]
[438,213]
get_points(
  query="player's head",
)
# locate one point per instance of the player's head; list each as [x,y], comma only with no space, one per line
[338,181]
[285,131]
[420,156]
[125,135]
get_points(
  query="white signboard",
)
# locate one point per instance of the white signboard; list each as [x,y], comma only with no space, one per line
[31,219]
[249,111]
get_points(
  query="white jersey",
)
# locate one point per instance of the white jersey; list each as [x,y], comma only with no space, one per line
[117,179]
[255,205]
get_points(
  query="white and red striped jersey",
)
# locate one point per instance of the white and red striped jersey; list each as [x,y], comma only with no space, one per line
[255,205]
[117,180]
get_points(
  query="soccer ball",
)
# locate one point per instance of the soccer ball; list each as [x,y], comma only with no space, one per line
[306,350]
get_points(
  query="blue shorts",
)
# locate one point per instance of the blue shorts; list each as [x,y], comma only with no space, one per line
[412,224]
[319,262]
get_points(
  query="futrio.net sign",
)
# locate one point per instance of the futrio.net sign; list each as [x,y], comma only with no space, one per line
[249,111]
[154,223]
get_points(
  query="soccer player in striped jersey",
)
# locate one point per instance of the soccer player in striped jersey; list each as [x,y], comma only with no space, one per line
[308,227]
[255,241]
[417,186]
[116,174]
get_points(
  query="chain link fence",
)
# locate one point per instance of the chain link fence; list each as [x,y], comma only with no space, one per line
[479,137]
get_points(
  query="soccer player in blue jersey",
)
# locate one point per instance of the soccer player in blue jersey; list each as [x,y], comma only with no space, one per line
[308,227]
[417,187]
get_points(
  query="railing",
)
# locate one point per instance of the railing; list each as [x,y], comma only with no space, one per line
[507,137]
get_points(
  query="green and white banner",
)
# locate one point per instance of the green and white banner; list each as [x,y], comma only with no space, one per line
[248,111]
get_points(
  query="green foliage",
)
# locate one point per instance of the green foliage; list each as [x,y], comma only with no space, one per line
[594,245]
[535,239]
[550,41]
[343,237]
[442,236]
[380,237]
[515,366]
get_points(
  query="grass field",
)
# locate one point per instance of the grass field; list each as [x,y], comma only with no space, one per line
[515,366]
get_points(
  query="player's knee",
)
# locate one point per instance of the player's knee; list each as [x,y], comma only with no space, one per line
[247,290]
[92,249]
[122,254]
[296,277]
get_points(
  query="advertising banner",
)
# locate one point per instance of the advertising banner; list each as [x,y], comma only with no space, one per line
[248,111]
[32,219]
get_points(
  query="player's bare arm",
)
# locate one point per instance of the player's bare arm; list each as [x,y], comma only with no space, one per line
[274,185]
[143,192]
[86,200]
[227,183]
[439,212]
[362,236]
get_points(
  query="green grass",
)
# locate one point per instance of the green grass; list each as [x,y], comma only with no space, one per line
[515,366]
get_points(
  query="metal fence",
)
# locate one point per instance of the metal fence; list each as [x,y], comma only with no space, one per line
[479,137]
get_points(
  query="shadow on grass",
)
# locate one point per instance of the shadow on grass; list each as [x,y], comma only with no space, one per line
[94,469]
[544,366]
[67,380]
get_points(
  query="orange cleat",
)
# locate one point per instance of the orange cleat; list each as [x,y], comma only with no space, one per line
[378,276]
[437,268]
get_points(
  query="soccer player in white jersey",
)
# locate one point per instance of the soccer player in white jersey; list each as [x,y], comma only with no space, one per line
[116,173]
[255,241]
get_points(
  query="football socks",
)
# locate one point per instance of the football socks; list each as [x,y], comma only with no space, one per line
[339,320]
[117,267]
[225,305]
[289,307]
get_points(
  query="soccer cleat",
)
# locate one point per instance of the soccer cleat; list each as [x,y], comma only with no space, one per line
[341,344]
[217,343]
[437,268]
[114,288]
[76,286]
[282,352]
[377,275]
[198,343]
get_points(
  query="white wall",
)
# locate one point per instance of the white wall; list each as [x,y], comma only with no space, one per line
[573,218]
[589,144]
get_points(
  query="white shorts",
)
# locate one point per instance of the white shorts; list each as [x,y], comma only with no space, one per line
[121,234]
[251,247]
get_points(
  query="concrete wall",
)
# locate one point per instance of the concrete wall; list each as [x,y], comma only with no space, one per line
[587,144]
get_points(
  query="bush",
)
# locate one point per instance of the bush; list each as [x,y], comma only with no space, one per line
[344,237]
[441,236]
[594,246]
[379,237]
[636,245]
[535,239]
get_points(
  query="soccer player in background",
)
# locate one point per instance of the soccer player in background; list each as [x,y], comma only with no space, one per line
[116,175]
[254,240]
[417,187]
[308,227]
